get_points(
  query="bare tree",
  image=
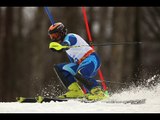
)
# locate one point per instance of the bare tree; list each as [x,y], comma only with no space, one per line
[122,57]
[7,47]
[37,49]
[150,28]
[1,50]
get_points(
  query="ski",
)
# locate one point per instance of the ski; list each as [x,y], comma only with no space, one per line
[41,99]
[25,100]
[38,99]
[136,101]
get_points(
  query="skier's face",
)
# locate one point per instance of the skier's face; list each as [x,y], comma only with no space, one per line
[54,36]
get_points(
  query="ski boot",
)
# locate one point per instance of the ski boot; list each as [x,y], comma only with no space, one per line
[96,94]
[74,91]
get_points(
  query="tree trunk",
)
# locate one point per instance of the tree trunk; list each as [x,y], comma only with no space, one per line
[7,75]
[137,49]
[1,50]
[122,56]
[37,51]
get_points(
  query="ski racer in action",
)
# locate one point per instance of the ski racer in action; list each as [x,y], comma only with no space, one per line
[78,75]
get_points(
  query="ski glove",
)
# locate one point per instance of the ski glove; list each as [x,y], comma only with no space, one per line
[54,46]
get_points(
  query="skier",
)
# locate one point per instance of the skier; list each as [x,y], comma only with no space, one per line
[78,75]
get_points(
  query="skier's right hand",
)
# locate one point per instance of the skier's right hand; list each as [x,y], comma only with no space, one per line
[54,46]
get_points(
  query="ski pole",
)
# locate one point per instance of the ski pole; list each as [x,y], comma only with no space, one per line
[58,46]
[117,43]
[112,82]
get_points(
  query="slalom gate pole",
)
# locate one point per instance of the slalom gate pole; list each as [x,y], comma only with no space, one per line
[90,40]
[49,15]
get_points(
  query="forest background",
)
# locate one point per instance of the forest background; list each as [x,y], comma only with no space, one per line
[26,63]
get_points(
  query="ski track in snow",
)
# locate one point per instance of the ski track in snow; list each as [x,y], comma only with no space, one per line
[152,104]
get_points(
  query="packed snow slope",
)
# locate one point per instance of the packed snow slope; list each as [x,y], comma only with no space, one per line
[151,105]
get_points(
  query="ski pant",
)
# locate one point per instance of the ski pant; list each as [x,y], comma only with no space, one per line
[87,69]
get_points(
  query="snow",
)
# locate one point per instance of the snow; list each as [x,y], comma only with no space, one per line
[152,104]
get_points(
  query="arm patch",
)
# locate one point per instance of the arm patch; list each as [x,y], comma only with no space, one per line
[71,40]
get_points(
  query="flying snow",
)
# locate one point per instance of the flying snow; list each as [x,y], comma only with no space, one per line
[151,104]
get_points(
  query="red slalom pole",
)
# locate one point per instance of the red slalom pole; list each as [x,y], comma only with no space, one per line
[90,40]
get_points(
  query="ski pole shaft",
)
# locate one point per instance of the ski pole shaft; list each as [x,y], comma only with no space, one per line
[58,46]
[113,82]
[118,43]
